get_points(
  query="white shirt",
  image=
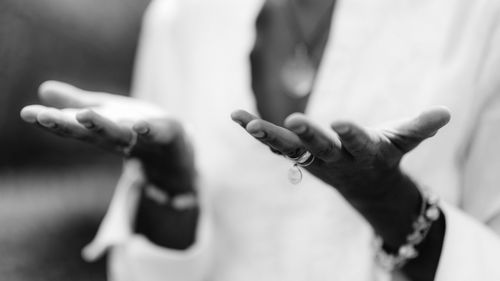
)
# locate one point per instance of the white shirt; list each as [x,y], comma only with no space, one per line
[385,60]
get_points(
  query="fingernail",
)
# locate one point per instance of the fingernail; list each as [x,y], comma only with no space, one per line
[142,130]
[299,129]
[258,134]
[88,125]
[48,124]
[342,129]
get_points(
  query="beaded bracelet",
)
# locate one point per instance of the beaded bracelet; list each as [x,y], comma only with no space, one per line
[179,202]
[429,213]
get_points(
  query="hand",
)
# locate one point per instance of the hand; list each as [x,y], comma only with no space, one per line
[361,163]
[110,122]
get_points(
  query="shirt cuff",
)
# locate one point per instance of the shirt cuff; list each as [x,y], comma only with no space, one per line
[116,229]
[471,250]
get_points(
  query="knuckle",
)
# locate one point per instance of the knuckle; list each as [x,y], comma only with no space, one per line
[325,152]
[99,130]
[307,136]
[268,138]
[295,152]
[291,151]
[275,151]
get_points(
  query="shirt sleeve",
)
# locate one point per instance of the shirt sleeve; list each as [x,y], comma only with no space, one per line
[479,161]
[132,256]
[471,251]
[158,71]
[156,79]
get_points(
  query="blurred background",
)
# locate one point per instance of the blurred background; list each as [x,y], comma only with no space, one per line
[54,192]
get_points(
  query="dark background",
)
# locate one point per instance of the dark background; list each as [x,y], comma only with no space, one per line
[54,192]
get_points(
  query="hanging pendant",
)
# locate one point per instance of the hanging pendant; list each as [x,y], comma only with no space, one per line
[295,174]
[298,73]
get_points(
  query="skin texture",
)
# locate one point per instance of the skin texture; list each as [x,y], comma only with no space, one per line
[385,196]
[351,151]
[110,122]
[90,43]
[363,165]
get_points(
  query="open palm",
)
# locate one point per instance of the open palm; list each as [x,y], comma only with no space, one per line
[115,123]
[356,160]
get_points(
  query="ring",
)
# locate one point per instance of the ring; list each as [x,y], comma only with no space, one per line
[297,158]
[303,160]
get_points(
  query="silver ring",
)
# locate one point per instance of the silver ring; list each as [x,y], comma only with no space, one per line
[303,160]
[306,159]
[297,158]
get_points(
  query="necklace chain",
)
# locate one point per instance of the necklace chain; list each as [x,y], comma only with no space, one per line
[299,71]
[317,34]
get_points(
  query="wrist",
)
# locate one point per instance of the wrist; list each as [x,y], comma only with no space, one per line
[168,221]
[178,202]
[392,212]
[178,180]
[424,267]
[394,258]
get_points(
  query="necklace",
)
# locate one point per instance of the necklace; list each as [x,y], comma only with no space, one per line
[299,71]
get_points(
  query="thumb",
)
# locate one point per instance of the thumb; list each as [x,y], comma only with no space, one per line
[62,95]
[410,133]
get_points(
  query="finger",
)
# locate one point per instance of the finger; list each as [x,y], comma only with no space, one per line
[109,131]
[275,151]
[276,137]
[242,117]
[61,95]
[316,141]
[355,140]
[409,134]
[61,124]
[29,113]
[161,131]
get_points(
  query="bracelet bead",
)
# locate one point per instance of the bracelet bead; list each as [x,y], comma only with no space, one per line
[179,202]
[428,214]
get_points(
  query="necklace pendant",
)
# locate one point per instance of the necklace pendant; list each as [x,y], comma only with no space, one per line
[298,73]
[294,174]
